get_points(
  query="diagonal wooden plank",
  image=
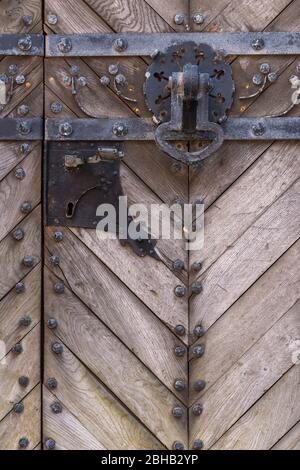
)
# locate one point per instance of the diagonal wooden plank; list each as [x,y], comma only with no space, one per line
[231,396]
[291,441]
[93,405]
[271,417]
[11,156]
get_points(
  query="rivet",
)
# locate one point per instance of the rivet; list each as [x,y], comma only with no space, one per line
[20,287]
[67,80]
[196,288]
[113,69]
[52,323]
[120,45]
[65,129]
[50,444]
[119,129]
[25,148]
[18,234]
[180,291]
[25,44]
[52,383]
[179,18]
[180,330]
[265,68]
[25,321]
[180,351]
[13,69]
[178,445]
[18,348]
[59,288]
[57,348]
[26,207]
[23,442]
[24,128]
[179,385]
[198,445]
[27,20]
[56,107]
[28,261]
[258,129]
[176,167]
[19,408]
[58,236]
[197,266]
[199,350]
[198,18]
[56,408]
[120,79]
[178,411]
[257,79]
[23,110]
[24,381]
[82,81]
[104,80]
[20,79]
[199,331]
[178,265]
[64,45]
[52,19]
[55,260]
[258,44]
[272,77]
[197,409]
[199,385]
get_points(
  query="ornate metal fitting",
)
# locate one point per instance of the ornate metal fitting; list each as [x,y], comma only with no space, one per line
[18,348]
[50,444]
[179,385]
[197,409]
[9,81]
[19,408]
[180,291]
[57,348]
[25,321]
[180,330]
[52,383]
[23,443]
[261,80]
[24,381]
[180,351]
[199,331]
[178,411]
[56,408]
[199,385]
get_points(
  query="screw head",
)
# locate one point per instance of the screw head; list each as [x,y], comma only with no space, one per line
[258,44]
[18,234]
[180,330]
[120,79]
[50,444]
[272,77]
[196,288]
[28,261]
[23,442]
[198,445]
[199,350]
[19,408]
[52,19]
[24,128]
[178,265]
[113,69]
[199,331]
[57,348]
[180,291]
[119,129]
[27,20]
[25,321]
[198,18]
[104,80]
[56,107]
[178,411]
[179,19]
[52,383]
[197,266]
[23,110]
[56,408]
[59,288]
[24,381]
[120,45]
[179,385]
[26,207]
[64,45]
[178,446]
[25,44]
[257,79]
[55,260]
[18,348]
[65,129]
[265,68]
[258,129]
[20,287]
[52,323]
[58,236]
[25,148]
[197,409]
[199,385]
[180,351]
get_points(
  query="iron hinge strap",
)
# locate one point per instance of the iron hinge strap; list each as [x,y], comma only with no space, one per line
[22,45]
[21,129]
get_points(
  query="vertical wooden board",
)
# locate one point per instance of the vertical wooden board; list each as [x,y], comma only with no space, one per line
[291,441]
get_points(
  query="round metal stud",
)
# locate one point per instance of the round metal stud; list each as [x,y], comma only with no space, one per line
[24,381]
[298,68]
[198,445]
[52,19]
[52,323]
[197,266]
[20,79]
[258,129]
[258,44]
[104,80]
[120,45]
[25,44]
[25,148]
[18,234]
[28,261]
[257,79]
[199,385]
[272,77]
[265,68]
[178,445]
[199,331]
[180,351]
[59,288]
[25,321]
[23,443]
[198,18]
[82,81]
[64,45]
[56,408]
[113,69]
[56,107]
[24,128]
[52,383]
[19,408]
[179,385]
[58,236]
[50,444]
[65,129]
[197,409]
[119,129]
[120,79]
[178,265]
[176,167]
[180,330]
[199,350]
[20,173]
[180,291]
[27,20]
[55,260]
[13,69]
[179,19]
[26,207]
[57,348]
[20,287]
[178,411]
[196,288]
[23,110]
[18,348]
[67,80]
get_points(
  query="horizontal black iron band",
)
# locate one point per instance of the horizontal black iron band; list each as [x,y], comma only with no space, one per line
[22,44]
[283,128]
[21,129]
[95,45]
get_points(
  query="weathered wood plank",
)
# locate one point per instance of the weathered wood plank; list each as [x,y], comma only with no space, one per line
[234,393]
[291,441]
[168,9]
[271,417]
[93,405]
[10,156]
[18,425]
[12,12]
[116,366]
[261,245]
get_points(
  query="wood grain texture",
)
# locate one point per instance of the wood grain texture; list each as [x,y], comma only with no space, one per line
[291,441]
[12,12]
[169,8]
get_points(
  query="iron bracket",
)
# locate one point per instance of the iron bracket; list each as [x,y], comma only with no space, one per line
[22,45]
[21,129]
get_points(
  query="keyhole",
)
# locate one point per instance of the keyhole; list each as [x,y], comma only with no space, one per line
[70,210]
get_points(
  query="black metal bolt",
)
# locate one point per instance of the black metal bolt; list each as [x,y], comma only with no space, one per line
[180,330]
[65,129]
[23,110]
[25,44]
[197,266]
[20,287]
[26,207]
[178,265]
[198,18]
[258,44]
[55,260]
[57,348]
[120,45]
[52,323]
[18,234]
[59,288]
[199,331]
[52,383]
[179,385]
[19,408]
[56,107]
[20,173]
[27,20]
[196,288]
[25,321]
[28,261]
[18,348]
[24,128]
[25,148]
[178,411]
[180,291]
[23,442]
[119,129]
[178,445]
[58,236]
[200,385]
[197,409]
[199,350]
[52,19]
[56,408]
[24,381]
[64,45]
[258,129]
[198,445]
[180,351]
[179,19]
[50,444]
